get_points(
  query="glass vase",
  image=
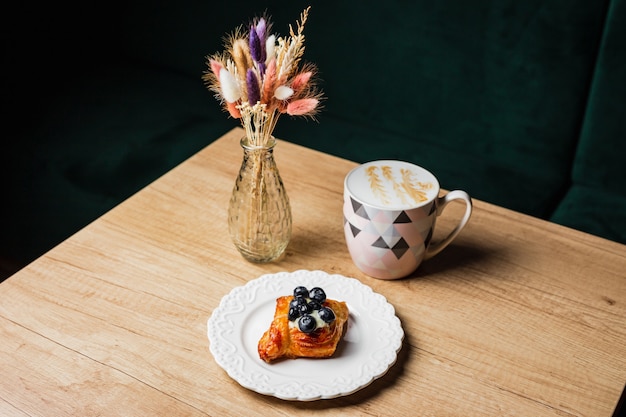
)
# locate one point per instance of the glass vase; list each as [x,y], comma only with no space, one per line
[259,214]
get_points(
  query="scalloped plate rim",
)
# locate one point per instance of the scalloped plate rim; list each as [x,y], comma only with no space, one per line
[232,353]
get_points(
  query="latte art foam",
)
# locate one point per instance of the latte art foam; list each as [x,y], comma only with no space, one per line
[392,184]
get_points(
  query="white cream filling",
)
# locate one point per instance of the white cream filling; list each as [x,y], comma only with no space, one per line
[315,314]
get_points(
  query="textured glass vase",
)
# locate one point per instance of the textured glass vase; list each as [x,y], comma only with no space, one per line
[259,214]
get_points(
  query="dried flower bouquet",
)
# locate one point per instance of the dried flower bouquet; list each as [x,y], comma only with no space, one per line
[259,76]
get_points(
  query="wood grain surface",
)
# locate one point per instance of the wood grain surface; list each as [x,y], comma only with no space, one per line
[517,317]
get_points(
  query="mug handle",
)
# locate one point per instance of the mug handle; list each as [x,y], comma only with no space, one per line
[434,248]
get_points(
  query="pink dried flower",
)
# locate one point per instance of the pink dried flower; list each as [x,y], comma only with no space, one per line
[269,82]
[300,81]
[233,110]
[302,107]
[216,66]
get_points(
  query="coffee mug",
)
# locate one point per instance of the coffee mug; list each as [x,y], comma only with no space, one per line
[390,210]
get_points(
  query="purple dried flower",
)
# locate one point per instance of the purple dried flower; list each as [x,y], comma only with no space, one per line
[256,46]
[254,90]
[261,31]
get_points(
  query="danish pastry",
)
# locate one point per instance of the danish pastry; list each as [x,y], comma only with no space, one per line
[305,325]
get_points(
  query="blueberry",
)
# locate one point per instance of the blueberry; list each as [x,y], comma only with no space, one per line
[317,294]
[303,308]
[297,301]
[301,292]
[327,314]
[315,305]
[293,314]
[307,324]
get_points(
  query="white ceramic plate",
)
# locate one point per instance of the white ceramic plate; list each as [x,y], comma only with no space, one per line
[369,347]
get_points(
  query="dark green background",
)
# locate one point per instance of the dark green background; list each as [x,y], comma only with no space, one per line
[519,103]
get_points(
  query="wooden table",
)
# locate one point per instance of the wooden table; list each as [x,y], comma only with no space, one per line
[518,317]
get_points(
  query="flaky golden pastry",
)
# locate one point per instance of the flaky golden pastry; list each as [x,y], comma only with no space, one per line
[281,341]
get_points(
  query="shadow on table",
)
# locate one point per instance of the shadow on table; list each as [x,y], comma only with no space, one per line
[455,256]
